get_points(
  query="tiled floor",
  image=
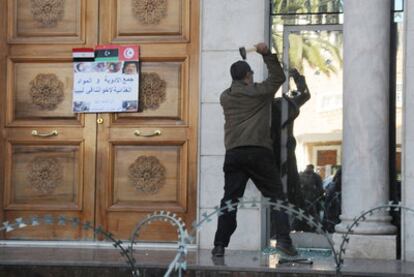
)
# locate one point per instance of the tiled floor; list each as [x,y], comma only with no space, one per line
[250,263]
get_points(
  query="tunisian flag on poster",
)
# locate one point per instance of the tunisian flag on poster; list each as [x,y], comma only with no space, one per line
[129,53]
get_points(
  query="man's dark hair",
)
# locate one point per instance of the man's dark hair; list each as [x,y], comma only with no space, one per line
[310,167]
[239,70]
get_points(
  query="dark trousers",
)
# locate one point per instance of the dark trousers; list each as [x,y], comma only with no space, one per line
[258,164]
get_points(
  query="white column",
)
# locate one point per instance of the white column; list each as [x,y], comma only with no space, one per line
[408,135]
[365,126]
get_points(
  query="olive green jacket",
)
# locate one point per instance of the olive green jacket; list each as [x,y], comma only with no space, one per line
[247,108]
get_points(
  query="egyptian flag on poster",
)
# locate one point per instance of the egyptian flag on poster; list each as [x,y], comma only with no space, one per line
[107,53]
[83,54]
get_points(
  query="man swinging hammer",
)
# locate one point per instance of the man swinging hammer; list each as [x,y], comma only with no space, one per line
[248,143]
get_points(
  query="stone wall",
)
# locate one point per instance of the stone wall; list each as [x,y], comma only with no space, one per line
[408,134]
[226,25]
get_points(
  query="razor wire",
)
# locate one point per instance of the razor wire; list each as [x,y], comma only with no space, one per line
[75,222]
[185,238]
[179,262]
[391,206]
[279,205]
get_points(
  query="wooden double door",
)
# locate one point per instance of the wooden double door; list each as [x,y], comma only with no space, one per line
[109,170]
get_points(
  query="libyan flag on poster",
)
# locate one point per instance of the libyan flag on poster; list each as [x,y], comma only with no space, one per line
[106,79]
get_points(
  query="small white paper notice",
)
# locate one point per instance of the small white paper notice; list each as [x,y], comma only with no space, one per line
[105,92]
[106,85]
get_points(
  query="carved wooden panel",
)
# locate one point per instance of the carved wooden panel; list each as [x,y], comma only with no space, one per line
[44,176]
[162,92]
[40,90]
[47,153]
[150,20]
[52,21]
[146,175]
[163,135]
[95,168]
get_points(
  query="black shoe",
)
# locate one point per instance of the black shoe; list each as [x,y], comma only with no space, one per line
[218,260]
[218,251]
[287,248]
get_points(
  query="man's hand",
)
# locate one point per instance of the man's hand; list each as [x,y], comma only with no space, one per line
[262,48]
[299,80]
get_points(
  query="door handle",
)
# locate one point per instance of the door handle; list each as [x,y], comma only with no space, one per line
[36,133]
[138,133]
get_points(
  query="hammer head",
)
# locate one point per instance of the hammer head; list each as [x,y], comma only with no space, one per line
[242,51]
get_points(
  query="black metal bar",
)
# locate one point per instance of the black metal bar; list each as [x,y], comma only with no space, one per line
[327,13]
[317,13]
[311,13]
[393,184]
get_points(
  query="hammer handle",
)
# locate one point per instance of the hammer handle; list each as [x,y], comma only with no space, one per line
[253,49]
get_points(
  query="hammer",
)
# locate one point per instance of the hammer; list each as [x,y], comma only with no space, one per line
[243,51]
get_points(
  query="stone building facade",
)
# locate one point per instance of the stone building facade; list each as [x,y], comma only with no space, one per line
[230,24]
[195,139]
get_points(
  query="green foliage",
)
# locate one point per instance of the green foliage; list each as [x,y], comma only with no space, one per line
[320,52]
[314,50]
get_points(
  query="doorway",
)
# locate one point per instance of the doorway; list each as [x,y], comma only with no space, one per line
[109,169]
[316,52]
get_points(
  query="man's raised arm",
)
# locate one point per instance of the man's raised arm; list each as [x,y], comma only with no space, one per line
[276,76]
